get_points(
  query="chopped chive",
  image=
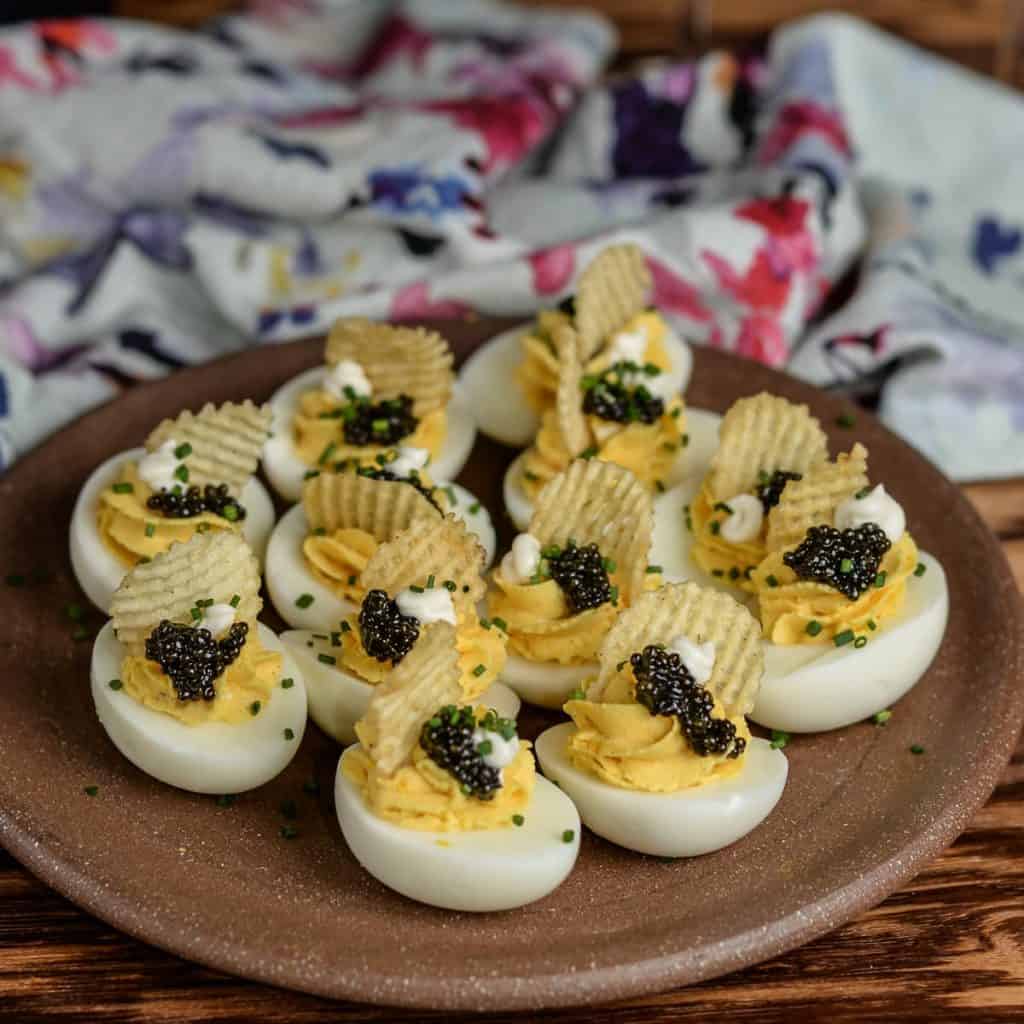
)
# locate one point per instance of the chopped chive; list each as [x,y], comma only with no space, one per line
[846,565]
[609,565]
[714,526]
[345,627]
[311,787]
[771,580]
[289,832]
[181,473]
[500,623]
[474,508]
[304,600]
[872,624]
[668,446]
[721,506]
[430,582]
[862,493]
[518,820]
[352,580]
[652,569]
[310,473]
[327,659]
[450,586]
[226,800]
[659,486]
[14,579]
[844,638]
[529,475]
[416,589]
[123,488]
[90,790]
[79,633]
[287,683]
[861,641]
[289,734]
[916,748]
[75,612]
[328,451]
[236,600]
[289,809]
[115,684]
[719,573]
[150,529]
[479,670]
[779,739]
[335,639]
[734,573]
[921,569]
[568,835]
[485,748]
[230,513]
[881,717]
[588,453]
[183,451]
[686,440]
[846,420]
[254,708]
[880,580]
[320,531]
[613,594]
[813,627]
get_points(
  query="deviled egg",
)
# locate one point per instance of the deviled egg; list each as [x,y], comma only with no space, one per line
[658,757]
[614,330]
[381,387]
[187,684]
[559,589]
[427,573]
[195,474]
[441,802]
[319,549]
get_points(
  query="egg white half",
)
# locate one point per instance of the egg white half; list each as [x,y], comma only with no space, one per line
[338,699]
[813,688]
[98,572]
[498,402]
[487,870]
[682,824]
[688,471]
[215,757]
[286,471]
[545,682]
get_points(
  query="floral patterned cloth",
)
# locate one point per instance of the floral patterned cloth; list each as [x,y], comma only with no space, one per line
[169,197]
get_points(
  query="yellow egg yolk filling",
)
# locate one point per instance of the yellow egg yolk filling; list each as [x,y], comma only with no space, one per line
[648,450]
[623,744]
[538,372]
[319,434]
[481,651]
[422,795]
[789,605]
[132,532]
[247,683]
[338,559]
[734,563]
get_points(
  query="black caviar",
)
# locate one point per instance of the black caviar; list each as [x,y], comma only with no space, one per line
[383,473]
[609,396]
[568,306]
[387,634]
[187,504]
[192,658]
[447,737]
[847,561]
[379,423]
[582,574]
[665,686]
[769,489]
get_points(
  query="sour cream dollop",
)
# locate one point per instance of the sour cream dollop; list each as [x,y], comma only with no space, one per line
[875,507]
[628,347]
[347,374]
[523,560]
[217,618]
[699,659]
[433,604]
[409,460]
[744,521]
[157,468]
[503,751]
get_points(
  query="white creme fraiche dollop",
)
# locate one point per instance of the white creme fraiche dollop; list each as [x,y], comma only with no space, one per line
[523,561]
[409,460]
[876,507]
[699,659]
[502,752]
[628,347]
[745,519]
[217,618]
[157,468]
[432,604]
[347,374]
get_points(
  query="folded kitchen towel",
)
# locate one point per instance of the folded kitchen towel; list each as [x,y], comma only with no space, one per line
[168,197]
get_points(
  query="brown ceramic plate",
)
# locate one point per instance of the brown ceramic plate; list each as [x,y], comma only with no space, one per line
[219,885]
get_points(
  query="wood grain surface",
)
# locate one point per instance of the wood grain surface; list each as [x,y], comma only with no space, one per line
[947,947]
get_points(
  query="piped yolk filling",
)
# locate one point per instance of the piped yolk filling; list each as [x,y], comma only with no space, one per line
[320,438]
[131,532]
[790,605]
[338,559]
[733,563]
[422,795]
[250,678]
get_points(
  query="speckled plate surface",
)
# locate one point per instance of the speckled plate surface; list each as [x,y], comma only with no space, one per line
[219,885]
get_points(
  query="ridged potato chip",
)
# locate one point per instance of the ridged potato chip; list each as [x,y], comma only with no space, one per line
[699,614]
[760,435]
[572,422]
[350,500]
[216,566]
[599,503]
[227,442]
[424,681]
[813,500]
[612,290]
[396,360]
[442,548]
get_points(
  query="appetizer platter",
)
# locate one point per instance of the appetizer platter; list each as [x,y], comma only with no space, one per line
[565,663]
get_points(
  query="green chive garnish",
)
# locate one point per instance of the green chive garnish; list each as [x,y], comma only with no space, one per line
[714,526]
[287,683]
[771,581]
[880,580]
[124,488]
[872,625]
[518,820]
[500,623]
[181,473]
[652,569]
[183,451]
[479,670]
[328,451]
[327,659]
[90,790]
[254,708]
[288,734]
[813,627]
[568,835]
[304,600]
[226,800]
[115,684]
[846,420]
[779,739]
[150,529]
[846,565]
[474,508]
[861,641]
[921,569]
[430,582]
[844,638]
[917,749]
[881,717]
[235,601]
[289,831]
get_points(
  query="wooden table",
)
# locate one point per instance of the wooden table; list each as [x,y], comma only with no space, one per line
[949,946]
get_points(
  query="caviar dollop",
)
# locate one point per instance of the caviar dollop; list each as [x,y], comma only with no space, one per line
[387,634]
[769,487]
[191,658]
[375,423]
[448,739]
[187,504]
[845,560]
[665,686]
[582,573]
[612,396]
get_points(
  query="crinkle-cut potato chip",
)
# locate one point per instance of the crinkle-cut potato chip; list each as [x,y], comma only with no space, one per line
[760,435]
[426,679]
[612,290]
[700,614]
[215,566]
[572,422]
[442,548]
[599,503]
[349,500]
[813,500]
[396,360]
[227,442]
